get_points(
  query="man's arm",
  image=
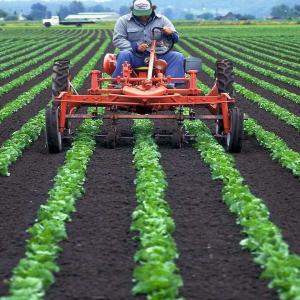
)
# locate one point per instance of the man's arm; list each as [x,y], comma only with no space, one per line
[120,35]
[169,29]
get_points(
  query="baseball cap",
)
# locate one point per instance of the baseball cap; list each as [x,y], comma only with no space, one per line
[142,8]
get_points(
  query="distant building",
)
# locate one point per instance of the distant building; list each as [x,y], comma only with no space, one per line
[230,16]
[95,17]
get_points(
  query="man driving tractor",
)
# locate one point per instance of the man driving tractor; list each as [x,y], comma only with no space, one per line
[132,35]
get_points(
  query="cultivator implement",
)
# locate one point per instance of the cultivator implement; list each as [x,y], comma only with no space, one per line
[145,93]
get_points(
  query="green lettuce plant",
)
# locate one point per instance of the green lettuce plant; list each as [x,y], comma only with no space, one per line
[156,274]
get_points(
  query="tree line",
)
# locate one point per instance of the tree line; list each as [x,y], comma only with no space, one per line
[39,11]
[285,12]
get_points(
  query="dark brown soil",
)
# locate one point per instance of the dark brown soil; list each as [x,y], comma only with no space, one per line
[212,263]
[11,95]
[235,46]
[290,88]
[97,258]
[26,189]
[288,133]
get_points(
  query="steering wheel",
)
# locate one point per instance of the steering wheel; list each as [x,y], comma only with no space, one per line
[164,44]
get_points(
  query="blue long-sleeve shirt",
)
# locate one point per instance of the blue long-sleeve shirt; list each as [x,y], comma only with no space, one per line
[129,33]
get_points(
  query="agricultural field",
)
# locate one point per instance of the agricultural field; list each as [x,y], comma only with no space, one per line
[145,220]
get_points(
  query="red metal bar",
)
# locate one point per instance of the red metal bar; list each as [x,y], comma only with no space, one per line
[225,118]
[166,100]
[136,116]
[94,80]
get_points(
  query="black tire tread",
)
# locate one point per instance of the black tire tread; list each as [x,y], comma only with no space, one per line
[237,130]
[224,76]
[60,77]
[52,134]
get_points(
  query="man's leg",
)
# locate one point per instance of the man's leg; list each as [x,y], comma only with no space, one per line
[175,66]
[133,60]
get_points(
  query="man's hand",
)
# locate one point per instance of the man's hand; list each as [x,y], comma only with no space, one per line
[142,47]
[167,30]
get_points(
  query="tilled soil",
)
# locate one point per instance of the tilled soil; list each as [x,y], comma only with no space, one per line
[26,189]
[97,258]
[288,133]
[11,95]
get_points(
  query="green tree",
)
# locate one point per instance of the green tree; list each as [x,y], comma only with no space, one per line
[297,10]
[96,8]
[189,16]
[281,12]
[38,11]
[63,12]
[76,7]
[206,16]
[3,14]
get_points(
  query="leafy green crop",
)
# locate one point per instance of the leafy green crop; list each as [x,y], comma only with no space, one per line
[279,149]
[269,140]
[156,275]
[264,239]
[30,131]
[37,71]
[34,273]
[278,111]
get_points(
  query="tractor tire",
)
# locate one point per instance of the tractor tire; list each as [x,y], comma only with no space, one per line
[53,136]
[224,76]
[235,136]
[60,77]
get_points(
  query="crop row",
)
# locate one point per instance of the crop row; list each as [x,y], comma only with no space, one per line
[250,66]
[275,60]
[156,275]
[6,45]
[260,46]
[281,42]
[278,149]
[25,98]
[257,81]
[278,111]
[18,47]
[282,48]
[55,47]
[34,273]
[30,131]
[263,238]
[26,46]
[35,50]
[37,71]
[251,58]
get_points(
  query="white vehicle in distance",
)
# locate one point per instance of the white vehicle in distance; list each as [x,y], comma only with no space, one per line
[54,21]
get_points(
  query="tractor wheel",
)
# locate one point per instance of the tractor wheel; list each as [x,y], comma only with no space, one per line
[53,136]
[60,77]
[224,76]
[235,136]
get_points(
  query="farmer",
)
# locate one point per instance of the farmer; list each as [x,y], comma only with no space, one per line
[132,35]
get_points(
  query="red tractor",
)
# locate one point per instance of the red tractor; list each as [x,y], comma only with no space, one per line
[145,93]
